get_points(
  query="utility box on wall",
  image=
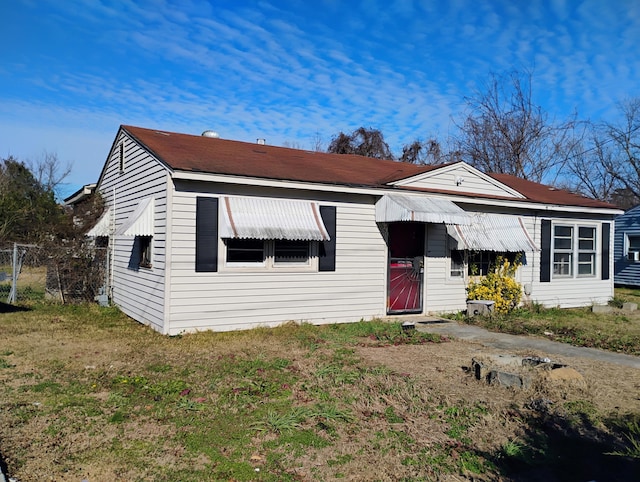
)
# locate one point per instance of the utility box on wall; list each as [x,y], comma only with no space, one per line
[480,307]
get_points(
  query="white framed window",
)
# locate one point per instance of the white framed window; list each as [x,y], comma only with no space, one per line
[574,251]
[632,243]
[270,254]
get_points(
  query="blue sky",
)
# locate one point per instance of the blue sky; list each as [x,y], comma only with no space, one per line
[291,71]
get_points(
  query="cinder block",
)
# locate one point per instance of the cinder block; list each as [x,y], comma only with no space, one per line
[628,306]
[601,309]
[480,307]
[504,379]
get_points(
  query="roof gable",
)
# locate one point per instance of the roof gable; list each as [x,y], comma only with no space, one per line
[462,178]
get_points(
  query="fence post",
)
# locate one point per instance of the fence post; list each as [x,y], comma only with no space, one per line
[14,276]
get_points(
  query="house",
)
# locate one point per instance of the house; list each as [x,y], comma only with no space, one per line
[214,234]
[626,248]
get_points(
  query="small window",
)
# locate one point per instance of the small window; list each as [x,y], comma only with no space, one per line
[270,253]
[457,263]
[145,251]
[290,252]
[633,250]
[121,156]
[245,251]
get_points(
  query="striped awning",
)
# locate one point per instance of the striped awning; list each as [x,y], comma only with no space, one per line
[400,207]
[102,227]
[493,232]
[140,221]
[261,218]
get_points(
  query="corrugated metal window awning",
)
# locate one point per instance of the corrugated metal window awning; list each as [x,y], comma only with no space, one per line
[399,207]
[493,232]
[140,221]
[260,218]
[102,227]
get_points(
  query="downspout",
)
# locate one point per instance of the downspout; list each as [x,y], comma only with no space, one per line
[111,247]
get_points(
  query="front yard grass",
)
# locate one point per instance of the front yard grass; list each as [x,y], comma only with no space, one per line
[87,393]
[618,331]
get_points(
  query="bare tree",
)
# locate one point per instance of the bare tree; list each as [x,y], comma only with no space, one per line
[588,167]
[623,164]
[423,153]
[317,143]
[363,142]
[505,132]
[49,171]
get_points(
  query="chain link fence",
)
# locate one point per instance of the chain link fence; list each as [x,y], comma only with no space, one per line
[31,273]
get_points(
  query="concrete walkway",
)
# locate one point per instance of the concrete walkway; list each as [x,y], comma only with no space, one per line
[504,341]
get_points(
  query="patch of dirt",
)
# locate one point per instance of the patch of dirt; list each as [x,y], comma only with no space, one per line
[611,388]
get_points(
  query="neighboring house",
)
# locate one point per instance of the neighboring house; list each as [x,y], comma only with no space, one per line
[627,248]
[213,234]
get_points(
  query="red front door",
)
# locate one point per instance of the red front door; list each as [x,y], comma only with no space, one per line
[406,274]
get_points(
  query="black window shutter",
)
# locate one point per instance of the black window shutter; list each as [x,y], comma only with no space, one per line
[206,234]
[606,238]
[545,252]
[327,255]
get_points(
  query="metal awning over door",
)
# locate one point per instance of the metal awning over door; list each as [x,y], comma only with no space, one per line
[401,207]
[493,232]
[262,218]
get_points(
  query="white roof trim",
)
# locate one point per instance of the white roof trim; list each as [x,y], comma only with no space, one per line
[516,203]
[400,207]
[493,232]
[262,218]
[140,221]
[103,226]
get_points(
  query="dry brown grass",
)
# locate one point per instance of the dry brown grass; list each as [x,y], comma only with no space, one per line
[416,413]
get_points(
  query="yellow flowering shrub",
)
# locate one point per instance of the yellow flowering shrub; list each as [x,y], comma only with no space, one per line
[498,285]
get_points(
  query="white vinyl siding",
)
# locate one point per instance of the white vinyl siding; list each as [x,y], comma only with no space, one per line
[138,292]
[566,292]
[443,293]
[233,299]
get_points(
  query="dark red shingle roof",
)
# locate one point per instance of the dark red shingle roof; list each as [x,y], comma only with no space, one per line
[185,152]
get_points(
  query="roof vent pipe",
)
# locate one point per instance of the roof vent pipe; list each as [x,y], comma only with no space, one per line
[262,142]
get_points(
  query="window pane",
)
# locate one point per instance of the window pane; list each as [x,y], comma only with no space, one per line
[286,251]
[457,263]
[245,250]
[586,238]
[145,251]
[586,245]
[586,263]
[563,237]
[563,231]
[562,263]
[634,243]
